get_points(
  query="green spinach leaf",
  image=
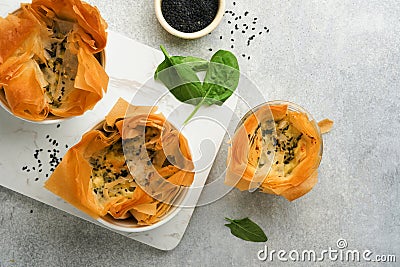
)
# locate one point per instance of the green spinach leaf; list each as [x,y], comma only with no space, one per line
[181,79]
[222,77]
[246,229]
[179,75]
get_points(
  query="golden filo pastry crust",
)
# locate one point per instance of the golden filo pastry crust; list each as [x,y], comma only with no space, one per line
[116,168]
[48,63]
[276,150]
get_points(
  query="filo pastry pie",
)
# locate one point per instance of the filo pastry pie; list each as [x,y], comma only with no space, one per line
[96,177]
[49,59]
[277,150]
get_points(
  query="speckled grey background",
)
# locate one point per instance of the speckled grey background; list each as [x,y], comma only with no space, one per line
[338,59]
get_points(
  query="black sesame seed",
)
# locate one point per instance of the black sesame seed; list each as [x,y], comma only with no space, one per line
[31,211]
[58,125]
[209,49]
[36,179]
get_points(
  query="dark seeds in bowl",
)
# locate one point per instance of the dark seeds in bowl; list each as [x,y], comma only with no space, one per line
[189,15]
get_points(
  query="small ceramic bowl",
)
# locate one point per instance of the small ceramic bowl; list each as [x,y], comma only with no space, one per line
[130,225]
[51,119]
[191,35]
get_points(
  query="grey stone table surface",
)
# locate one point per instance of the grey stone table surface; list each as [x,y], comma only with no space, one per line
[338,59]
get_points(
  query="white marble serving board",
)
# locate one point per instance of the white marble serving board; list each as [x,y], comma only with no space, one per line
[129,65]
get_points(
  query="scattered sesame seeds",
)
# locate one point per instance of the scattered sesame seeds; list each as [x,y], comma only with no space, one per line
[39,154]
[244,23]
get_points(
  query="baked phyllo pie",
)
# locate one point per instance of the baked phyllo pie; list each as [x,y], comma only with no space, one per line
[277,149]
[51,59]
[131,166]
